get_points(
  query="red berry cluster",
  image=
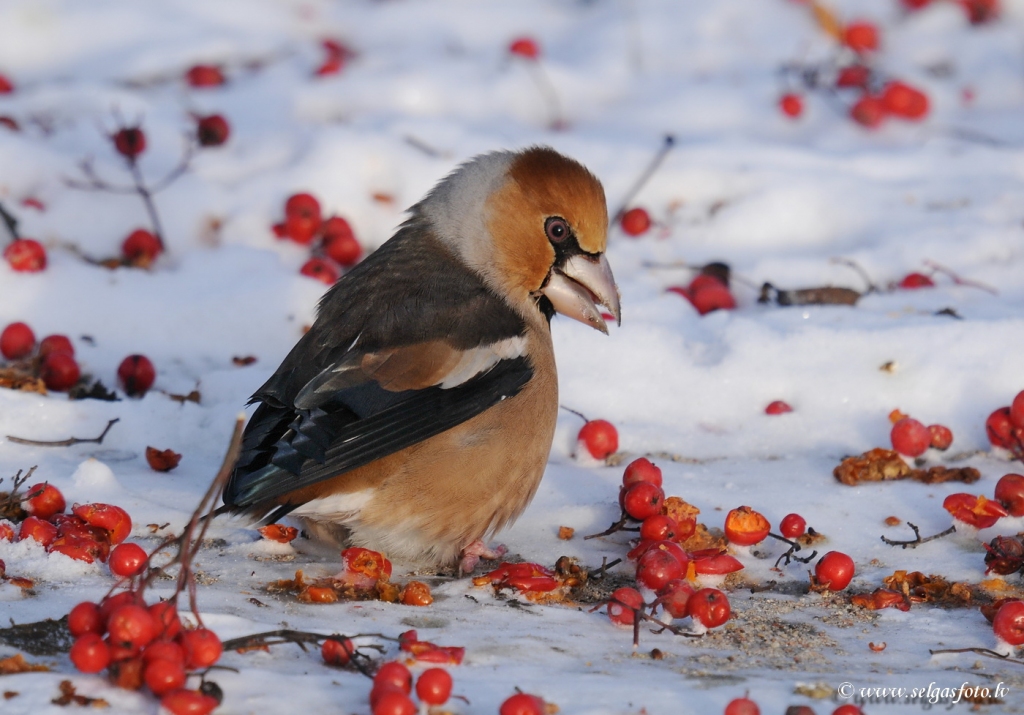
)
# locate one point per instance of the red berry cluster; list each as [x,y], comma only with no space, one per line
[145,645]
[873,96]
[54,361]
[1005,427]
[92,532]
[393,683]
[707,292]
[912,439]
[334,243]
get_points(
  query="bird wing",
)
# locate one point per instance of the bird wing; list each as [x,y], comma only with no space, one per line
[409,344]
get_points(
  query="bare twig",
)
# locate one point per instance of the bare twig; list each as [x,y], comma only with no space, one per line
[360,661]
[789,556]
[578,414]
[871,287]
[666,146]
[917,540]
[13,497]
[980,651]
[605,565]
[617,526]
[10,222]
[938,268]
[65,442]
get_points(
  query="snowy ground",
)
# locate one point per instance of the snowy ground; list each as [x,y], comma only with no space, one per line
[775,198]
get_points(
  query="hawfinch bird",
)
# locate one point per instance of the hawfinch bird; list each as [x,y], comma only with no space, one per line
[416,416]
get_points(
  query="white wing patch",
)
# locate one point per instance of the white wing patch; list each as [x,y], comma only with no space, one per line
[481,359]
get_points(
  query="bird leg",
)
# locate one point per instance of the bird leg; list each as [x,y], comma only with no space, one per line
[472,554]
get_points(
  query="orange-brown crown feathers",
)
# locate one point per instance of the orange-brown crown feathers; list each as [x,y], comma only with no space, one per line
[542,183]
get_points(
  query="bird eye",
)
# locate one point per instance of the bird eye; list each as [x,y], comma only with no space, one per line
[557,229]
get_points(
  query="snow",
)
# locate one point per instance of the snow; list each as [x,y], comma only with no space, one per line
[776,199]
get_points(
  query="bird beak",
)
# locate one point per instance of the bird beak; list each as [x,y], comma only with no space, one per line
[577,288]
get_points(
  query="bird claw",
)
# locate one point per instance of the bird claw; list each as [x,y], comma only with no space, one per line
[472,554]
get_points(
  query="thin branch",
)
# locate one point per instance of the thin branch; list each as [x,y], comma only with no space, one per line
[10,222]
[958,280]
[617,526]
[917,540]
[65,442]
[980,651]
[871,287]
[789,556]
[605,565]
[16,482]
[666,146]
[578,414]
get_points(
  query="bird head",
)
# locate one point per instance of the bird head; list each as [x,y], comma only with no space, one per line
[534,225]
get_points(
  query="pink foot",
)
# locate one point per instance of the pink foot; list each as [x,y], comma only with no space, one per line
[472,554]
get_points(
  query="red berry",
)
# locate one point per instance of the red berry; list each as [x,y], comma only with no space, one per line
[35,528]
[164,650]
[340,242]
[212,130]
[17,341]
[742,706]
[26,255]
[635,222]
[834,570]
[905,101]
[980,11]
[163,676]
[623,605]
[711,296]
[713,562]
[6,86]
[396,674]
[188,702]
[111,603]
[642,500]
[166,615]
[337,651]
[129,142]
[941,437]
[321,270]
[394,703]
[60,372]
[304,205]
[301,229]
[202,648]
[656,568]
[131,626]
[792,105]
[56,344]
[127,560]
[1008,624]
[90,653]
[915,4]
[1000,429]
[659,528]
[1010,493]
[674,597]
[204,76]
[778,407]
[85,618]
[44,500]
[113,519]
[600,438]
[868,111]
[136,374]
[641,470]
[522,704]
[910,437]
[853,76]
[141,247]
[709,607]
[916,280]
[1017,410]
[331,65]
[746,527]
[861,36]
[524,47]
[848,709]
[792,526]
[6,532]
[434,686]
